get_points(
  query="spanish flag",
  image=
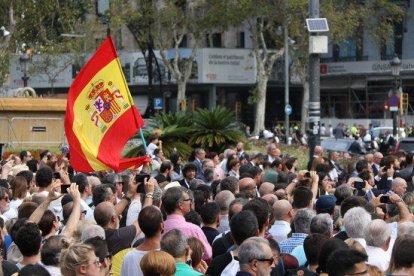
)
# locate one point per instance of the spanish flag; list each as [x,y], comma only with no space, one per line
[100,115]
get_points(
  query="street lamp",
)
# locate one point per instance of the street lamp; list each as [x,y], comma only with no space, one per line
[24,58]
[395,71]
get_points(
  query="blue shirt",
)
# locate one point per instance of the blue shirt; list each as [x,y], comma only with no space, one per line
[288,245]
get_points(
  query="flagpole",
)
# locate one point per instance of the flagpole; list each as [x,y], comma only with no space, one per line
[143,140]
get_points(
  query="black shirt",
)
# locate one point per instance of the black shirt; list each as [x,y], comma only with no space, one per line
[120,239]
[210,233]
[219,264]
[221,245]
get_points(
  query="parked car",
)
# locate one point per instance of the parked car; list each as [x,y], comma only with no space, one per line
[405,144]
[380,131]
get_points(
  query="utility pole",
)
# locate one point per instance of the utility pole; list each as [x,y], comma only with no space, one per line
[314,88]
[288,109]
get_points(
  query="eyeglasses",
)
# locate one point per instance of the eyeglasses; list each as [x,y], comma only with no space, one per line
[97,262]
[188,199]
[270,260]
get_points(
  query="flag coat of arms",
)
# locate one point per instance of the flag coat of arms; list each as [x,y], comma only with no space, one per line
[100,115]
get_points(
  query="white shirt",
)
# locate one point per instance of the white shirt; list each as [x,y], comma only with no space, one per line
[280,230]
[55,206]
[133,211]
[89,211]
[378,257]
[130,265]
[150,149]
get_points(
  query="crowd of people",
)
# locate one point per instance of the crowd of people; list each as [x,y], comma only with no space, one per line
[229,213]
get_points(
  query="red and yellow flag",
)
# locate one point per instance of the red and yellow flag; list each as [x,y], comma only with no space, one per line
[100,115]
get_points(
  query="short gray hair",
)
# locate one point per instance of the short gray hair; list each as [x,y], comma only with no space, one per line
[223,199]
[92,231]
[356,221]
[302,220]
[321,224]
[377,233]
[406,228]
[174,243]
[252,248]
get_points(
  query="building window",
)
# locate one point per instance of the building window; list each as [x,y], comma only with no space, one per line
[240,40]
[214,40]
[350,49]
[393,43]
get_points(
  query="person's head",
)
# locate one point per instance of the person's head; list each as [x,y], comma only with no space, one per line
[230,183]
[176,199]
[344,262]
[361,166]
[302,220]
[248,186]
[25,156]
[174,243]
[351,202]
[102,193]
[189,171]
[402,257]
[44,177]
[197,251]
[4,200]
[200,153]
[356,221]
[312,246]
[406,228]
[81,180]
[272,150]
[322,224]
[261,210]
[378,157]
[48,223]
[325,204]
[210,213]
[102,252]
[105,215]
[19,186]
[327,248]
[150,221]
[378,234]
[92,231]
[236,206]
[157,263]
[342,192]
[79,259]
[243,225]
[302,197]
[28,239]
[399,186]
[223,199]
[166,167]
[266,188]
[51,250]
[26,209]
[256,257]
[282,210]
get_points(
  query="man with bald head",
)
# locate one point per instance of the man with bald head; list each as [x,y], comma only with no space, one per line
[223,199]
[282,211]
[399,186]
[247,186]
[266,188]
[117,238]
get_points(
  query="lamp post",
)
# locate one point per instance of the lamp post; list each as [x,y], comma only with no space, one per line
[24,58]
[395,71]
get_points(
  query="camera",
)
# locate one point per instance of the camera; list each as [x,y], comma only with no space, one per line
[359,185]
[385,199]
[139,179]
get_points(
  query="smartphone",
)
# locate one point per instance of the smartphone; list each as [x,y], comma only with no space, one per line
[56,175]
[139,179]
[63,188]
[385,199]
[370,195]
[359,185]
[307,174]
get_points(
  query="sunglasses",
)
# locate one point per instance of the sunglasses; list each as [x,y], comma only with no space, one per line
[270,260]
